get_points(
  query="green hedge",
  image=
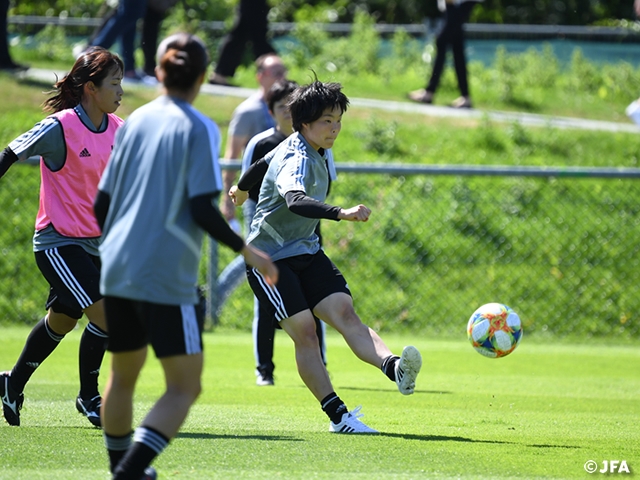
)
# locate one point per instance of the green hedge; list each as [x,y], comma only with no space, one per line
[554,12]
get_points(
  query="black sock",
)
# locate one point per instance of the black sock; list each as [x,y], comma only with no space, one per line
[333,407]
[388,367]
[148,443]
[40,343]
[116,448]
[92,346]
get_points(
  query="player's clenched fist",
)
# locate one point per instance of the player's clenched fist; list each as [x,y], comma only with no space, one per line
[238,197]
[359,213]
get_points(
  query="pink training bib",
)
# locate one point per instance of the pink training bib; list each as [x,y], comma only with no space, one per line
[67,195]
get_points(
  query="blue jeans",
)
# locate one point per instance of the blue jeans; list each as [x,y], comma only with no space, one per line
[123,25]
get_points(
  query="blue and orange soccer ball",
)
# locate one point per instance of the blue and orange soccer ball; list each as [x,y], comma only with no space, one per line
[494,330]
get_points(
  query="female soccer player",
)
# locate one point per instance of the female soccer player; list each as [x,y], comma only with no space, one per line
[74,144]
[290,205]
[155,201]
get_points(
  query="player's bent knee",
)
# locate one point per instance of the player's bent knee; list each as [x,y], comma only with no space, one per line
[60,323]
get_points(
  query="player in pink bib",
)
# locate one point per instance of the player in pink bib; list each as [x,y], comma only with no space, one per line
[66,195]
[74,144]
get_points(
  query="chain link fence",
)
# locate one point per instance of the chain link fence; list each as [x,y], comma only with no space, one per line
[560,246]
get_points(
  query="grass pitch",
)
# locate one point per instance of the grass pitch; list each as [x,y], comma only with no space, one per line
[542,412]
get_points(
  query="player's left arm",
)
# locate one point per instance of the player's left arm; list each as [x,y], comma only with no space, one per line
[251,177]
[101,207]
[301,204]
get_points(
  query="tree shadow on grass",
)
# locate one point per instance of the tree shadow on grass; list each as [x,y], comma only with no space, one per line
[221,436]
[441,438]
[553,446]
[444,438]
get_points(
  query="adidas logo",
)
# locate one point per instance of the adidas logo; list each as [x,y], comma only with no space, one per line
[84,153]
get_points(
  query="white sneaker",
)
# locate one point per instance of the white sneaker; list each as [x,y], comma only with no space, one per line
[351,424]
[407,369]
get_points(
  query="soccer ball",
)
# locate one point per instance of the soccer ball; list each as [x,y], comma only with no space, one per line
[494,330]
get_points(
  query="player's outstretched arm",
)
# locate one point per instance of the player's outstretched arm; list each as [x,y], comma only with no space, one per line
[359,213]
[260,260]
[7,158]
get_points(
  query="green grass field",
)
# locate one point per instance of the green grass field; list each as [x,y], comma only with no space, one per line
[542,412]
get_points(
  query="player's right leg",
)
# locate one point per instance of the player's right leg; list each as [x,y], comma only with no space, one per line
[175,334]
[41,342]
[128,345]
[74,276]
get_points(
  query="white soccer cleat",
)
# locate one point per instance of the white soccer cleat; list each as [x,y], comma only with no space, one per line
[351,424]
[407,369]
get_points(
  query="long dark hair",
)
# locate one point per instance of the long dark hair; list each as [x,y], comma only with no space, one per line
[92,66]
[183,57]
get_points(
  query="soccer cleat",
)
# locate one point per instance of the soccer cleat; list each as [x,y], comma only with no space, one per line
[11,401]
[264,378]
[149,474]
[90,409]
[351,424]
[407,369]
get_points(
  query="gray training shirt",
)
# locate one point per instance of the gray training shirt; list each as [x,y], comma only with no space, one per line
[295,166]
[165,154]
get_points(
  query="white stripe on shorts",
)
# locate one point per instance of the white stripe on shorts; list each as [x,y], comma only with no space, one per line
[274,296]
[65,274]
[190,329]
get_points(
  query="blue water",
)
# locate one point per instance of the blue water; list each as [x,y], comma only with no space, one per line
[596,52]
[485,50]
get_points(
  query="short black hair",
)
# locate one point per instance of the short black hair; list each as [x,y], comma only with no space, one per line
[309,102]
[279,91]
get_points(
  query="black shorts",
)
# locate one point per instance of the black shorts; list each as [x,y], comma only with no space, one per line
[303,282]
[170,329]
[73,276]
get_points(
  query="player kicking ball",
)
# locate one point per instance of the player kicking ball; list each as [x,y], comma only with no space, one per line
[290,205]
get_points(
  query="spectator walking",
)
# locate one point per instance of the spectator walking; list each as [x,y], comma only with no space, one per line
[6,62]
[159,186]
[123,25]
[157,11]
[74,144]
[456,14]
[251,26]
